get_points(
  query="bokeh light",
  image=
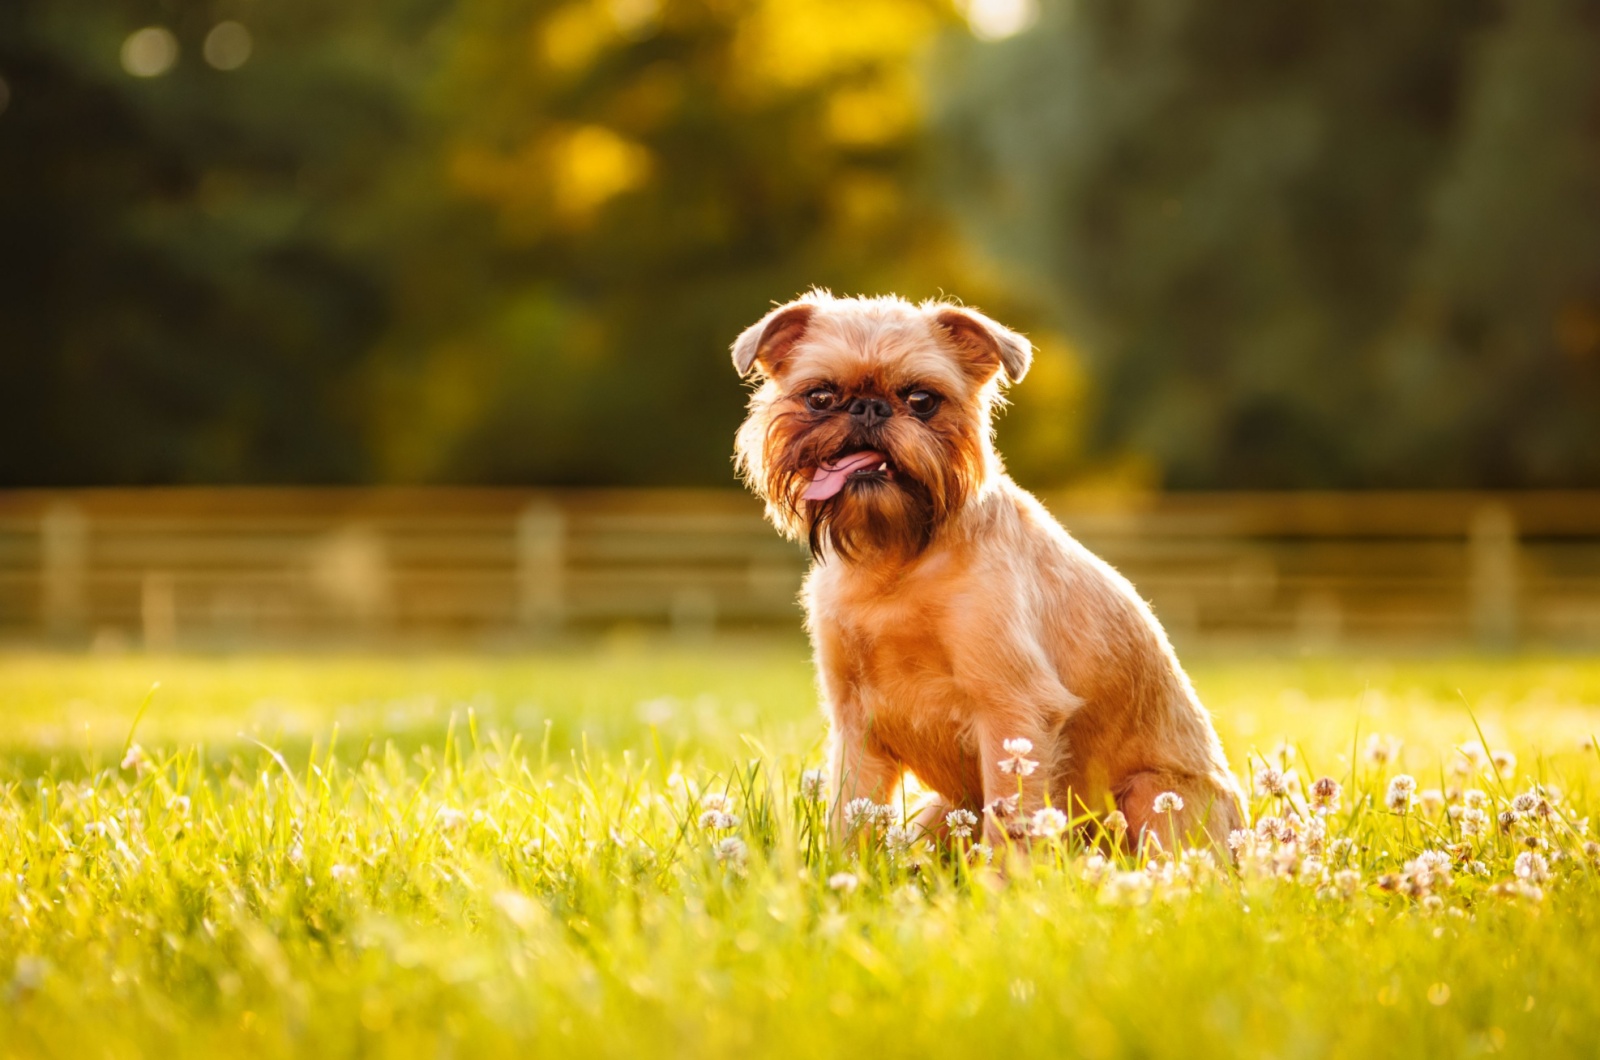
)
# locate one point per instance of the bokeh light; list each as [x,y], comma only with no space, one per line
[228,46]
[999,19]
[149,52]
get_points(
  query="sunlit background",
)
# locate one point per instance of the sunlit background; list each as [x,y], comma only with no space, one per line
[1316,291]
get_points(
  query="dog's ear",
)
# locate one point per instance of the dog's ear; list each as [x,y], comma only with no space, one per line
[769,340]
[984,344]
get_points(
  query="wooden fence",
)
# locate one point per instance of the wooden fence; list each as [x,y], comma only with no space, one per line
[228,567]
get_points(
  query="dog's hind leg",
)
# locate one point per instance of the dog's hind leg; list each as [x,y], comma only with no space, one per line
[1203,813]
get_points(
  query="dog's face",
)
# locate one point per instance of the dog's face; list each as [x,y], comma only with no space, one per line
[871,424]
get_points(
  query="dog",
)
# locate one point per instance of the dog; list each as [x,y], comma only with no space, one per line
[959,632]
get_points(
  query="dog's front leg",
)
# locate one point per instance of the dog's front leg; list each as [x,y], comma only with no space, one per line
[1016,755]
[858,767]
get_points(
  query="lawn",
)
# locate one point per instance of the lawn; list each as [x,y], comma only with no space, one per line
[612,852]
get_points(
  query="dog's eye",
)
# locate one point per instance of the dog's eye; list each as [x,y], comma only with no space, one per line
[923,403]
[821,399]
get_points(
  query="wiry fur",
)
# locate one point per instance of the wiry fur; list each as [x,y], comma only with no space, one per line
[948,610]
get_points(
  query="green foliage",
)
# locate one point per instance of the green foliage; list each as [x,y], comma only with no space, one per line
[1306,244]
[525,870]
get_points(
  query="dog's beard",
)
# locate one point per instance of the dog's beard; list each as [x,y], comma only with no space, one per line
[930,476]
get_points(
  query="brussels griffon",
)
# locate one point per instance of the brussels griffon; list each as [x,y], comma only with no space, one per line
[952,618]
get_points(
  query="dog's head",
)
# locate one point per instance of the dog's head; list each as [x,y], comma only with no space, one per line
[871,424]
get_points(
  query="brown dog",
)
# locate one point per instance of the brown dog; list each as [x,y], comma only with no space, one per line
[948,611]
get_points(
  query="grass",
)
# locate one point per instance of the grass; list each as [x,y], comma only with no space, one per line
[464,857]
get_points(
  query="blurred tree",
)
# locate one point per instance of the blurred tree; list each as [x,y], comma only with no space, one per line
[1319,244]
[649,178]
[178,296]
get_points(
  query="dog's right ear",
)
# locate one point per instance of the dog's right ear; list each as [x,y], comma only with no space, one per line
[769,340]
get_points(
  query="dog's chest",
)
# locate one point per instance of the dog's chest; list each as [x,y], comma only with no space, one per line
[890,663]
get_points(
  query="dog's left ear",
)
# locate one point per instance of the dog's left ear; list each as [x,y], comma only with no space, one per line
[986,344]
[769,340]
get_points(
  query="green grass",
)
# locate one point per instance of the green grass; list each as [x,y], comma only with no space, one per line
[462,857]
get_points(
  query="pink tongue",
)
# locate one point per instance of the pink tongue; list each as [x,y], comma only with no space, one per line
[830,480]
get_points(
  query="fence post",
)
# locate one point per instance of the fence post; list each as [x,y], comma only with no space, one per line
[1492,566]
[541,567]
[158,611]
[64,568]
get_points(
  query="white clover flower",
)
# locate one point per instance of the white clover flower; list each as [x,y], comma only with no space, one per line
[341,873]
[843,882]
[1325,795]
[1114,822]
[136,759]
[731,852]
[1472,757]
[813,784]
[179,804]
[1022,767]
[1475,798]
[1432,801]
[897,839]
[960,823]
[715,801]
[1167,802]
[1472,821]
[1531,867]
[858,812]
[1271,782]
[981,854]
[1095,867]
[1508,820]
[1241,841]
[1001,807]
[1525,803]
[1017,746]
[1591,850]
[1382,749]
[1505,764]
[1401,790]
[1348,881]
[1126,888]
[449,818]
[718,821]
[1048,822]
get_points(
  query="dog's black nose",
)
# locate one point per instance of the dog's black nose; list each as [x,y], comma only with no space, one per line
[868,411]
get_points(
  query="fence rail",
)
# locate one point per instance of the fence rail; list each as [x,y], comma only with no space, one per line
[176,568]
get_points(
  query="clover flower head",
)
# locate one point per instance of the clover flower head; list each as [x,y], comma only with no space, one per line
[1273,783]
[1472,821]
[1525,803]
[1431,800]
[843,882]
[1001,807]
[1531,867]
[859,812]
[1348,881]
[715,801]
[1475,798]
[1508,820]
[136,759]
[1167,802]
[960,823]
[1505,764]
[897,839]
[1325,795]
[1016,761]
[718,821]
[1399,795]
[1115,822]
[1048,822]
[179,804]
[731,852]
[449,818]
[813,784]
[1382,749]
